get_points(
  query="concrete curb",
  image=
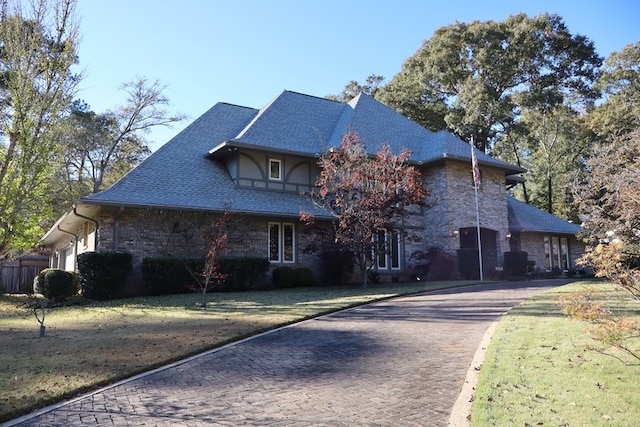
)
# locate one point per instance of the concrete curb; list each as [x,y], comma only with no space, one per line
[461,413]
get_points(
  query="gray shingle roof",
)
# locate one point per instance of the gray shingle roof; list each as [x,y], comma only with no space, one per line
[527,218]
[308,125]
[179,175]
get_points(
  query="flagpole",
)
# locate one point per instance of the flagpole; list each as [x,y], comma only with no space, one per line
[476,182]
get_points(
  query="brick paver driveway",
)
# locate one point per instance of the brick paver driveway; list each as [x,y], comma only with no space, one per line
[400,362]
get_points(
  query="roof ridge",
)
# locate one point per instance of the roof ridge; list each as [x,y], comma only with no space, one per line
[311,96]
[261,111]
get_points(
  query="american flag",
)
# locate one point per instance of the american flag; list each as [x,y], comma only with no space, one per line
[474,167]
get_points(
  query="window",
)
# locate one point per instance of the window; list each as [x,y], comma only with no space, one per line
[275,169]
[547,253]
[556,253]
[388,250]
[282,242]
[564,254]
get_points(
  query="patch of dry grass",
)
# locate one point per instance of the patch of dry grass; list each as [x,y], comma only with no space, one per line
[87,346]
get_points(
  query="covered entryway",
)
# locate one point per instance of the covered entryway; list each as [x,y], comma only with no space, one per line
[468,252]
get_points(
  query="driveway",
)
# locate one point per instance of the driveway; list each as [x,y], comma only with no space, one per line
[396,362]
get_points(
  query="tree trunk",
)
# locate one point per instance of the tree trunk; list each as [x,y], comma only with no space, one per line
[362,263]
[550,194]
[525,192]
[8,158]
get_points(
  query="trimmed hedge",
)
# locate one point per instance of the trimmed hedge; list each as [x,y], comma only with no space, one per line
[304,277]
[243,272]
[102,274]
[56,284]
[168,275]
[283,277]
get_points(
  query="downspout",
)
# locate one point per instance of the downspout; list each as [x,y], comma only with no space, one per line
[95,222]
[75,246]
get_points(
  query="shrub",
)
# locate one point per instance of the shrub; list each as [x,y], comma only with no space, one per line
[56,284]
[243,273]
[432,264]
[336,266]
[102,274]
[284,277]
[168,275]
[515,263]
[442,266]
[304,277]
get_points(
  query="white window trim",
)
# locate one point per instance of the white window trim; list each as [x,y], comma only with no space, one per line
[553,249]
[388,253]
[279,163]
[281,241]
[279,253]
[293,243]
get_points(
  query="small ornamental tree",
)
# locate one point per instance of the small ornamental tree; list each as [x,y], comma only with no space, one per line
[365,194]
[215,237]
[610,197]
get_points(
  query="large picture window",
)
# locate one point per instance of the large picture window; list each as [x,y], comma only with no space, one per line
[282,242]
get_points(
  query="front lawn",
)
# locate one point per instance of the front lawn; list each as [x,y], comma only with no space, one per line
[542,369]
[87,346]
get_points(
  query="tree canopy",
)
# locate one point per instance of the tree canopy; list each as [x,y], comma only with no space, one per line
[54,150]
[477,79]
[619,81]
[609,195]
[102,147]
[38,49]
[366,194]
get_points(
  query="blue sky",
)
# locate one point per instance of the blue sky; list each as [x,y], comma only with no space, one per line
[246,52]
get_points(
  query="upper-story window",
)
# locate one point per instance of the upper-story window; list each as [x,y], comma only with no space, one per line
[275,169]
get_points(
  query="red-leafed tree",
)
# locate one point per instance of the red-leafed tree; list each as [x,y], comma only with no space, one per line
[215,237]
[365,194]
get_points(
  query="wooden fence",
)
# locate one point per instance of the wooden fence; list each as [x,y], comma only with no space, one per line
[21,271]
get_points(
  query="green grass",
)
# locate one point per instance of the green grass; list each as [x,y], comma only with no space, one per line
[87,346]
[541,368]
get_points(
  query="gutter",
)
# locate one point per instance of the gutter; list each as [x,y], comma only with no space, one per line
[95,222]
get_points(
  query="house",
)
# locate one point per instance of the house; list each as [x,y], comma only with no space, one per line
[258,162]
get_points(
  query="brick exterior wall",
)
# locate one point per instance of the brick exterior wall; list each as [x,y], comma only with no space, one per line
[533,244]
[451,209]
[147,233]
